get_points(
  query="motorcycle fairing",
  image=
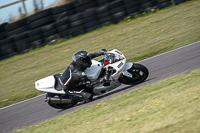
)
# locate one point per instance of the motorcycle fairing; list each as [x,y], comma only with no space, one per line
[127,66]
[47,84]
[94,71]
[119,65]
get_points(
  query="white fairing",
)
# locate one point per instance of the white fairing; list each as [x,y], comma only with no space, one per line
[94,71]
[47,85]
[119,67]
[127,66]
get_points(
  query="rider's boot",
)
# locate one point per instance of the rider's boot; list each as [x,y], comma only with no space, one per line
[87,96]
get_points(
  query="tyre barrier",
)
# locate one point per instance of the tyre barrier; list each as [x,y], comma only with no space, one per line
[90,20]
[35,38]
[49,33]
[21,42]
[117,10]
[82,5]
[103,15]
[7,47]
[3,34]
[176,2]
[69,20]
[62,11]
[16,27]
[63,28]
[76,24]
[132,7]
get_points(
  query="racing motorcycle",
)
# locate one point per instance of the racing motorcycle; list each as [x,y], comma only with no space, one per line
[113,62]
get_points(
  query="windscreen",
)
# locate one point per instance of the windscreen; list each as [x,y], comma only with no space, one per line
[112,58]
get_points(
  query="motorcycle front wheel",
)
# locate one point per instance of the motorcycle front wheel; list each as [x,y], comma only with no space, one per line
[139,74]
[59,105]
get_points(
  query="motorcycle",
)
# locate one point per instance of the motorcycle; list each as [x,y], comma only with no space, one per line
[113,62]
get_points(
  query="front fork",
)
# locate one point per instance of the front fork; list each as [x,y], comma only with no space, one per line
[108,73]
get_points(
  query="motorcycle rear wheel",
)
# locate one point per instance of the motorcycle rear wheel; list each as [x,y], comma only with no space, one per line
[139,74]
[59,105]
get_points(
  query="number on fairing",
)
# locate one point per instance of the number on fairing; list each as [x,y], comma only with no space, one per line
[121,64]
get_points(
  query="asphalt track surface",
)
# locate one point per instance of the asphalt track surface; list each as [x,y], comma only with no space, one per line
[35,110]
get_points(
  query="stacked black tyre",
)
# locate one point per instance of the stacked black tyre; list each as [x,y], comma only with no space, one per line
[82,5]
[22,42]
[147,5]
[50,33]
[3,34]
[17,27]
[40,19]
[163,3]
[7,47]
[90,20]
[63,28]
[76,24]
[60,12]
[117,10]
[35,38]
[104,15]
[110,0]
[132,7]
[176,2]
[101,2]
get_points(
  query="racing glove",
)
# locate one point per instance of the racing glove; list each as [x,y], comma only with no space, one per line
[103,51]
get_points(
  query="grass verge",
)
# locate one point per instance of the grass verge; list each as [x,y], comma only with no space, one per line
[168,106]
[139,38]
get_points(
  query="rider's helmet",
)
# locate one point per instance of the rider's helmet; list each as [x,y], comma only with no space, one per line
[82,58]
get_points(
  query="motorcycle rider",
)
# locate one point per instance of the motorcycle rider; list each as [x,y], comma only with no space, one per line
[75,77]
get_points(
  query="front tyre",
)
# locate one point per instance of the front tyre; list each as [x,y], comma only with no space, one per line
[59,105]
[139,74]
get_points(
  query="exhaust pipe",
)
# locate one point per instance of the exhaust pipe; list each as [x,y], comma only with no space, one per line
[58,100]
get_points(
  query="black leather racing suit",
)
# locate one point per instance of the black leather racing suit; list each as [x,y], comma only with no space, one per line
[75,76]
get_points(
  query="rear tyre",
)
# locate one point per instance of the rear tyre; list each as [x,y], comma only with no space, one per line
[139,74]
[59,105]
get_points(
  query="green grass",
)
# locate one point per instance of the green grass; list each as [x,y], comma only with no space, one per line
[164,107]
[140,38]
